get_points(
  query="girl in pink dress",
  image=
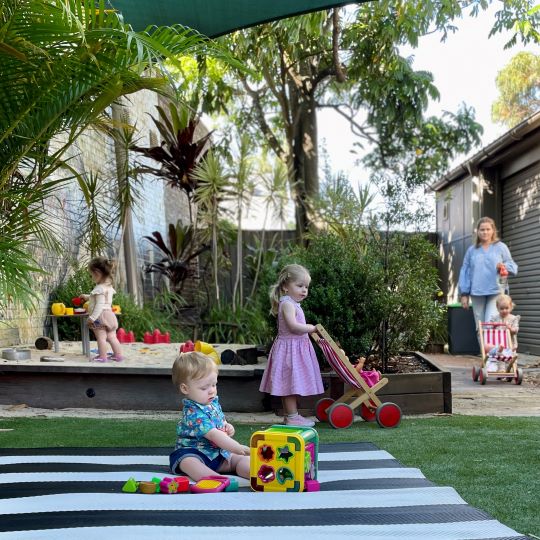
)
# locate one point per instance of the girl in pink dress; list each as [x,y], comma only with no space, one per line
[292,368]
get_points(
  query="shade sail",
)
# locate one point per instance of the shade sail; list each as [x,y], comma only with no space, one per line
[214,17]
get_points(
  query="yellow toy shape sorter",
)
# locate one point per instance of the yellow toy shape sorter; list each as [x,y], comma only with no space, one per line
[284,458]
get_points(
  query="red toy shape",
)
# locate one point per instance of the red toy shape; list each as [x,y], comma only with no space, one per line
[188,346]
[183,483]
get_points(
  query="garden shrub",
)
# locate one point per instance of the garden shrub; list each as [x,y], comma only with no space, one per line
[358,286]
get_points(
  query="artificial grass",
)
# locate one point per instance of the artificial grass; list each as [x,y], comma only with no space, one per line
[492,462]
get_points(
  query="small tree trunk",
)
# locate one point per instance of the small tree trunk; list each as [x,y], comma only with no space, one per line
[305,165]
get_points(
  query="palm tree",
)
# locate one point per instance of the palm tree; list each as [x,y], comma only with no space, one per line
[64,62]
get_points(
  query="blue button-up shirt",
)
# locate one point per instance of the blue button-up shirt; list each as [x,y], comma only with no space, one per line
[478,275]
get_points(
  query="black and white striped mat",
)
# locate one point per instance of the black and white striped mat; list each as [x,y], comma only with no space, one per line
[75,493]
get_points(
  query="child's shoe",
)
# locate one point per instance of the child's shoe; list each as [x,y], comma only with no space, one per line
[117,358]
[99,359]
[298,420]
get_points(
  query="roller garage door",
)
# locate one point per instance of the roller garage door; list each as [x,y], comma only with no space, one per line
[521,232]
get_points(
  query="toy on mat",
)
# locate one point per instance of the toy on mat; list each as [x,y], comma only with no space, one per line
[174,485]
[284,458]
[211,484]
[340,413]
[130,486]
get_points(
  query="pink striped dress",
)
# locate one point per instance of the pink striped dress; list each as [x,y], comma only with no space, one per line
[292,367]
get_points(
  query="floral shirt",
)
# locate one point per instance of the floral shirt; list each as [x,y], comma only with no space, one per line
[196,421]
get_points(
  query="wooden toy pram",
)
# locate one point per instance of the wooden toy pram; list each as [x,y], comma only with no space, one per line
[502,366]
[340,413]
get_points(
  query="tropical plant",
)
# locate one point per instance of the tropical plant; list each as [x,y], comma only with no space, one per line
[183,247]
[180,149]
[213,189]
[63,63]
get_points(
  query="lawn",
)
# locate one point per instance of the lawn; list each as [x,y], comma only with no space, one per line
[492,462]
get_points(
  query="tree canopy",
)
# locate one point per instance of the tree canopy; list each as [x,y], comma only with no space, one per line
[346,59]
[519,90]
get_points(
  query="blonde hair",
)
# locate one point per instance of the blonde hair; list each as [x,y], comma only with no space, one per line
[481,221]
[103,265]
[289,273]
[506,299]
[191,366]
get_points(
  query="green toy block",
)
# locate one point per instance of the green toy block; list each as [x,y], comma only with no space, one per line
[157,481]
[233,485]
[130,486]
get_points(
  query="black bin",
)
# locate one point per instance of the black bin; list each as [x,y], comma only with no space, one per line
[462,337]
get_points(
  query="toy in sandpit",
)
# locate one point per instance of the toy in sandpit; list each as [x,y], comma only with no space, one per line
[188,346]
[284,458]
[156,337]
[125,337]
[201,346]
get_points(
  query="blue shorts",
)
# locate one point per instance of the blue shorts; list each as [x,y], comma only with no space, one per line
[176,458]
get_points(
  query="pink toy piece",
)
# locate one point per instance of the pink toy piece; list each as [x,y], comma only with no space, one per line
[210,484]
[168,485]
[312,485]
[188,346]
[182,482]
[148,338]
[156,335]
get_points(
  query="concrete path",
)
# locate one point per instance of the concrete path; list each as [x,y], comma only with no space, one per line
[495,398]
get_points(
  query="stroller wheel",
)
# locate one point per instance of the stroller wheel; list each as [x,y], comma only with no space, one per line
[367,413]
[518,379]
[483,375]
[475,373]
[340,415]
[321,409]
[388,415]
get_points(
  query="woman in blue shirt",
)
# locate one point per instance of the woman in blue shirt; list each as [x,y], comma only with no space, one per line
[478,278]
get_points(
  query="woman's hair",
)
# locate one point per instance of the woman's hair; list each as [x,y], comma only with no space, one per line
[191,366]
[289,273]
[493,226]
[103,265]
[504,298]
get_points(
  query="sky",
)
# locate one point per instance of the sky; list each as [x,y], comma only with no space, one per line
[464,68]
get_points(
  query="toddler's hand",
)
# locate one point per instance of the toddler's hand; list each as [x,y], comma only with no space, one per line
[311,328]
[229,429]
[246,450]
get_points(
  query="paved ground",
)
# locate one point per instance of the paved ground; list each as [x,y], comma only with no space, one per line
[496,398]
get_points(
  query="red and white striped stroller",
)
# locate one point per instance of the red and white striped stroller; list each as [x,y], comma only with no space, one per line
[499,360]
